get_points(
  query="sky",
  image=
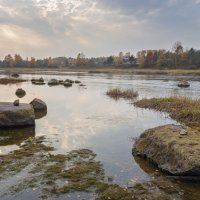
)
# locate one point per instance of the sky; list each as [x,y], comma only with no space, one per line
[43,28]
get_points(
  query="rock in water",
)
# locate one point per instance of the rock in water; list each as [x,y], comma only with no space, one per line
[38,105]
[20,93]
[183,84]
[16,116]
[174,153]
[15,75]
[67,84]
[16,102]
[53,82]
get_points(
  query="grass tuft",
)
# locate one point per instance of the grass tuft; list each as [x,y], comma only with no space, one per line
[117,93]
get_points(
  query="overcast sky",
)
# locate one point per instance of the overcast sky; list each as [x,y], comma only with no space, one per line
[44,28]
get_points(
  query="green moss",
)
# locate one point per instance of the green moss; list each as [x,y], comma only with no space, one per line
[48,173]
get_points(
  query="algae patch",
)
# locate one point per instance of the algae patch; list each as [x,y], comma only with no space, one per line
[35,167]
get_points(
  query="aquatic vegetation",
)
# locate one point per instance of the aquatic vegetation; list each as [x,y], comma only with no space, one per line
[59,174]
[11,80]
[117,93]
[182,109]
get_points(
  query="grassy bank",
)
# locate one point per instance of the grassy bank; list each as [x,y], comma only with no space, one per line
[104,69]
[184,110]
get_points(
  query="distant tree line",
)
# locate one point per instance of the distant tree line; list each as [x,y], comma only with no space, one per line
[176,58]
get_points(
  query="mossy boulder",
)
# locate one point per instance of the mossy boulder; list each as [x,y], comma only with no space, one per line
[175,149]
[14,116]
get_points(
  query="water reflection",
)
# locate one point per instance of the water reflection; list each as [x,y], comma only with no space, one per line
[16,135]
[40,114]
[79,118]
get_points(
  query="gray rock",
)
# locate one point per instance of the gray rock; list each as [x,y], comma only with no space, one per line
[53,82]
[20,93]
[171,152]
[15,116]
[16,102]
[77,82]
[39,81]
[67,84]
[183,84]
[15,75]
[38,105]
[69,81]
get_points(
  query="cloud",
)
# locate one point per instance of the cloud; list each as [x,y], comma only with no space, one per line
[96,27]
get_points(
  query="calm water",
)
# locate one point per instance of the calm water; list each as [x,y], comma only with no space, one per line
[84,117]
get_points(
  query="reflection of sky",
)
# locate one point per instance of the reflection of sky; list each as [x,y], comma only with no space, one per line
[86,118]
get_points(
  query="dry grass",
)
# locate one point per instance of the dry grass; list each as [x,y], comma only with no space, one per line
[118,93]
[182,109]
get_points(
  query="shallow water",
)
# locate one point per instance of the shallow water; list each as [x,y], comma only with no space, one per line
[84,117]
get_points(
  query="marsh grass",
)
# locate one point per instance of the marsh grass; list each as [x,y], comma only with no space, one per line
[117,93]
[11,80]
[182,109]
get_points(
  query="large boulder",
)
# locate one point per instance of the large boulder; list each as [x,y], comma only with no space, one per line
[15,116]
[38,105]
[173,148]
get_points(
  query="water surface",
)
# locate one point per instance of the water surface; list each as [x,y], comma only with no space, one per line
[84,117]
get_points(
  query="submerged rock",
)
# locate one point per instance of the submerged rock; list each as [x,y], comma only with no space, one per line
[38,105]
[20,93]
[170,149]
[14,116]
[183,84]
[38,83]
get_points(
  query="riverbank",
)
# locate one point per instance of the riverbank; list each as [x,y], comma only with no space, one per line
[104,69]
[184,110]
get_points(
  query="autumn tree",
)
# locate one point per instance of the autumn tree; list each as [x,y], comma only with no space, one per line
[18,61]
[8,61]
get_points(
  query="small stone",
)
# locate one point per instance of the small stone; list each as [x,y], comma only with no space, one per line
[110,179]
[183,132]
[16,102]
[20,93]
[67,84]
[77,82]
[131,184]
